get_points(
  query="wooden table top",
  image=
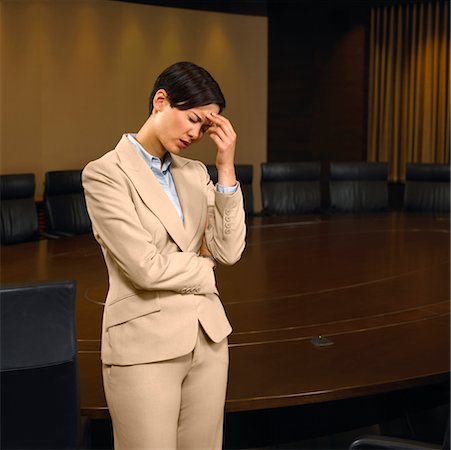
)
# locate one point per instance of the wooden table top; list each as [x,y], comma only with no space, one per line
[377,286]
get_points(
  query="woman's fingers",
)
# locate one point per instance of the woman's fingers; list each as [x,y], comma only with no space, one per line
[216,131]
[223,135]
[220,122]
[222,129]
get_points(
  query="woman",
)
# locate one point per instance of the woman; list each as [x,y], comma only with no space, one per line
[162,227]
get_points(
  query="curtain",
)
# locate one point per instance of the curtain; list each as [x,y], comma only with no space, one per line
[409,95]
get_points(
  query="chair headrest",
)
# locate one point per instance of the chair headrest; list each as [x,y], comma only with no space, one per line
[358,170]
[61,182]
[17,186]
[290,171]
[427,172]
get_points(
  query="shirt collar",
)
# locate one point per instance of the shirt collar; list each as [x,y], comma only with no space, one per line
[153,161]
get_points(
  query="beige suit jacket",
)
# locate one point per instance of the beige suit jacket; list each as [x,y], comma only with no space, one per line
[159,286]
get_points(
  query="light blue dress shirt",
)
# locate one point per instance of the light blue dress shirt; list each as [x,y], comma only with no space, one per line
[164,176]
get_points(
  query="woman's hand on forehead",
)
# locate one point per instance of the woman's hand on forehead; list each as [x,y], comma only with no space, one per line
[223,135]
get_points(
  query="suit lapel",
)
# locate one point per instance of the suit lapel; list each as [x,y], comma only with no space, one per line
[187,184]
[151,191]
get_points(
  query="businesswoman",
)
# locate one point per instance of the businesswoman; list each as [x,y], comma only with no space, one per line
[162,226]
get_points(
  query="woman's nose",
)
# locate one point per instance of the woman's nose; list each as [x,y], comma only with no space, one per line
[194,133]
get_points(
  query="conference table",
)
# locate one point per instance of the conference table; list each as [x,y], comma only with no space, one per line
[323,307]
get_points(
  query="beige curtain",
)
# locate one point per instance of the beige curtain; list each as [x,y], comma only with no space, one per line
[409,95]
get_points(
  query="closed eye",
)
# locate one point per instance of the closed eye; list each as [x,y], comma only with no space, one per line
[197,119]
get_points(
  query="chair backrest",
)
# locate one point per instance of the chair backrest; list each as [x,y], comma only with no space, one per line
[427,188]
[65,203]
[38,368]
[213,172]
[290,188]
[19,216]
[244,174]
[446,437]
[358,186]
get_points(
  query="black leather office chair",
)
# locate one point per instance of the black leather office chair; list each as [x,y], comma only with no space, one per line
[358,186]
[19,216]
[244,174]
[392,443]
[427,188]
[38,366]
[290,188]
[65,204]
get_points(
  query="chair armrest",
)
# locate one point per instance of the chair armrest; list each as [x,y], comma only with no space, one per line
[56,234]
[385,442]
[48,235]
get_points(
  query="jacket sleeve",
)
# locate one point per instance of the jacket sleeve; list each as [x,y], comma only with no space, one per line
[226,228]
[118,229]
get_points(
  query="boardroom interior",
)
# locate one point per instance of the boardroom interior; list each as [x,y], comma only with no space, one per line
[340,302]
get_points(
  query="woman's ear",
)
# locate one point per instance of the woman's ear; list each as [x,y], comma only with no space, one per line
[160,100]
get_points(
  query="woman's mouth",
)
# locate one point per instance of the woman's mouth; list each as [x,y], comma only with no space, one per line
[183,144]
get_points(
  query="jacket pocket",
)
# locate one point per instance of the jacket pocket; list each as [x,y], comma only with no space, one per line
[131,307]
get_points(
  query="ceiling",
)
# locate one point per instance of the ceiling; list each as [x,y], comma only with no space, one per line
[248,7]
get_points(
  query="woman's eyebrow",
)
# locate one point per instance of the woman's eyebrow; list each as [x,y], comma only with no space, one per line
[199,119]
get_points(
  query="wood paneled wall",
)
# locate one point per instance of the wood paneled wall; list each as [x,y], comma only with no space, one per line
[317,80]
[76,74]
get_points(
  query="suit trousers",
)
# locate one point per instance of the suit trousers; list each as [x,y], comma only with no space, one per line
[173,404]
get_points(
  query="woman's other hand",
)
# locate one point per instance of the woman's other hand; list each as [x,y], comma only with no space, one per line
[204,252]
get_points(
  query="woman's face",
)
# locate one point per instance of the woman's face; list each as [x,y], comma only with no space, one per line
[177,129]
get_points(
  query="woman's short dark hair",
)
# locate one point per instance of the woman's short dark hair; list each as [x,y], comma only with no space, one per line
[188,86]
